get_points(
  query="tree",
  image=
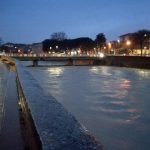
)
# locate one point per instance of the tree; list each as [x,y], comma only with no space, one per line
[141,37]
[59,36]
[49,45]
[100,40]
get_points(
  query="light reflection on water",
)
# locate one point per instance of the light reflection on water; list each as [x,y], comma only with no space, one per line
[113,103]
[56,71]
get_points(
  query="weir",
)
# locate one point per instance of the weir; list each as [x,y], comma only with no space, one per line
[53,125]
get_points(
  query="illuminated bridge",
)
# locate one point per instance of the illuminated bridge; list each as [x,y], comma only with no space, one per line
[70,60]
[115,60]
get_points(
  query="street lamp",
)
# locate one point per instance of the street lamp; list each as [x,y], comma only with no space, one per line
[128,43]
[109,45]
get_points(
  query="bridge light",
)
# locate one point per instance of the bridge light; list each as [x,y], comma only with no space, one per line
[101,55]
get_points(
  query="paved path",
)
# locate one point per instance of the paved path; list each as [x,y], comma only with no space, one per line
[10,137]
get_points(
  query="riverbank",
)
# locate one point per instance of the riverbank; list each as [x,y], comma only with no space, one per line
[9,62]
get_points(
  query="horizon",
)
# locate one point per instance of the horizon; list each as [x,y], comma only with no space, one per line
[34,21]
[70,39]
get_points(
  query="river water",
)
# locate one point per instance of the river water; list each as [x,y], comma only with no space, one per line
[112,103]
[3,86]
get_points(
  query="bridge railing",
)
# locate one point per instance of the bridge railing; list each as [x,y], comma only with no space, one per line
[51,55]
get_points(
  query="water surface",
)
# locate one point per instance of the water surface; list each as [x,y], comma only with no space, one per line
[112,103]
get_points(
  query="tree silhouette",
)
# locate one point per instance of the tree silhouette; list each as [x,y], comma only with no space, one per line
[141,37]
[59,36]
[84,43]
[100,40]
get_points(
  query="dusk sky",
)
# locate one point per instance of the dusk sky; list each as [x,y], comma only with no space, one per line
[28,21]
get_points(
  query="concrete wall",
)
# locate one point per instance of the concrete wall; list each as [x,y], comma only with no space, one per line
[126,61]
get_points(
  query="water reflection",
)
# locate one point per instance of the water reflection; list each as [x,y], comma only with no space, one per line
[112,100]
[116,88]
[56,71]
[143,73]
[100,71]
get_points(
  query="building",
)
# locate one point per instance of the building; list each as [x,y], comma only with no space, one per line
[136,45]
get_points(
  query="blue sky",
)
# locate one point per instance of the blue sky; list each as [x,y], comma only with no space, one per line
[28,21]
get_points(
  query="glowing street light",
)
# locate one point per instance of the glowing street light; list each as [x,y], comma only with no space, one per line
[128,43]
[109,45]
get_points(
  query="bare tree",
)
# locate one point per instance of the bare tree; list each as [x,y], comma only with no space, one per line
[59,36]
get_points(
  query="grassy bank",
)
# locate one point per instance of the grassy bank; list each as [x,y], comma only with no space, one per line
[10,63]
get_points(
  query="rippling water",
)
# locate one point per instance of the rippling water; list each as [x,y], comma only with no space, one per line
[3,81]
[112,103]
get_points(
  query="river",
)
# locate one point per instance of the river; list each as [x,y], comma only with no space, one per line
[112,103]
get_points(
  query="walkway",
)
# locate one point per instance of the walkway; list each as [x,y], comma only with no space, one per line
[10,137]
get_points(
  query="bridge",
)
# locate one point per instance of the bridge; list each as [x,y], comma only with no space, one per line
[81,60]
[69,59]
